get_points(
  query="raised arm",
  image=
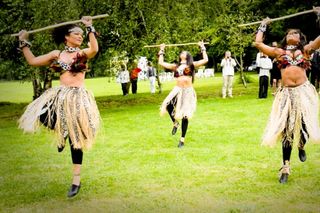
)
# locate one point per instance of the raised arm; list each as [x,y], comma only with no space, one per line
[93,48]
[270,51]
[161,61]
[42,60]
[204,59]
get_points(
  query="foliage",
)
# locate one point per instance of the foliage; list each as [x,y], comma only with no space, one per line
[134,23]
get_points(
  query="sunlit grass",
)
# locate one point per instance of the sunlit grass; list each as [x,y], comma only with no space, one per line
[135,165]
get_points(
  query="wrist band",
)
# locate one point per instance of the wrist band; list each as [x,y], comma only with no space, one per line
[203,49]
[262,28]
[161,52]
[90,29]
[23,44]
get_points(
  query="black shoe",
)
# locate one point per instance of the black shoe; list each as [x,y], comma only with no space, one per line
[74,190]
[175,128]
[181,144]
[60,149]
[284,173]
[284,178]
[302,155]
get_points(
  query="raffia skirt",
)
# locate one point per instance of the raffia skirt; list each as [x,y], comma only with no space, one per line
[184,101]
[69,111]
[293,108]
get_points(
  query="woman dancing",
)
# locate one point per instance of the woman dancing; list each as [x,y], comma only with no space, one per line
[295,110]
[69,109]
[181,101]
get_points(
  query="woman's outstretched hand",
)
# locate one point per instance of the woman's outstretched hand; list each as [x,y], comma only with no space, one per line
[87,20]
[23,35]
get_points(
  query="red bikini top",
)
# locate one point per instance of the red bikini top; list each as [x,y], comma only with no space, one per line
[299,59]
[78,64]
[182,70]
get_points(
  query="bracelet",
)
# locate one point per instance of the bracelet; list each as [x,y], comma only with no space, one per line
[90,29]
[262,28]
[203,49]
[161,52]
[23,44]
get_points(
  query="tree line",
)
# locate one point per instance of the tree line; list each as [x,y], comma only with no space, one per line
[133,24]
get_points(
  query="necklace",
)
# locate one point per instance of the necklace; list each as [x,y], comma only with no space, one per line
[71,49]
[291,47]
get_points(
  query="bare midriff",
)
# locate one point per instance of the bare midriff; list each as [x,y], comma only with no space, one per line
[70,79]
[184,81]
[293,76]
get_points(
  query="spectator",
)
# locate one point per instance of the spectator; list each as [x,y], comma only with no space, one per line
[264,64]
[124,79]
[275,74]
[151,74]
[315,69]
[134,79]
[227,64]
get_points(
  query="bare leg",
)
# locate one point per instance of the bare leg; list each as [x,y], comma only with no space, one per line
[76,174]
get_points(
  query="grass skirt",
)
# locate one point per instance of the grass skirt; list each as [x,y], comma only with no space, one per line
[291,107]
[69,111]
[184,101]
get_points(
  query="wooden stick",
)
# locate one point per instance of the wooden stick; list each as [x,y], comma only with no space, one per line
[279,18]
[61,24]
[174,45]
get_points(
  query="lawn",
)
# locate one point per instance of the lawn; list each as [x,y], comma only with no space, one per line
[135,165]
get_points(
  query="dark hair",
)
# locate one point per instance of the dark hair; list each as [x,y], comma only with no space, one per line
[302,43]
[189,63]
[59,33]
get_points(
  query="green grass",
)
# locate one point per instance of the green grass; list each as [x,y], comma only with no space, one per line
[135,165]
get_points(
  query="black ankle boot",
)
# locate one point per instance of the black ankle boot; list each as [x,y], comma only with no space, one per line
[302,155]
[283,178]
[175,128]
[284,173]
[181,144]
[74,190]
[60,149]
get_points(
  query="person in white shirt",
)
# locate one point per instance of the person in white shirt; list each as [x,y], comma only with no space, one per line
[265,65]
[124,78]
[151,73]
[227,65]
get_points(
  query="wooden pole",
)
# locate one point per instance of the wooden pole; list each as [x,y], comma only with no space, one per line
[279,18]
[61,24]
[174,45]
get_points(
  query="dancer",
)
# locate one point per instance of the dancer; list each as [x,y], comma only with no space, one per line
[69,109]
[181,101]
[295,110]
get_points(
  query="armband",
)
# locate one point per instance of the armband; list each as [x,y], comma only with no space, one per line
[23,44]
[90,29]
[262,28]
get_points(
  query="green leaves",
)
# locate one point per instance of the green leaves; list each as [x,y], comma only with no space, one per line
[135,23]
